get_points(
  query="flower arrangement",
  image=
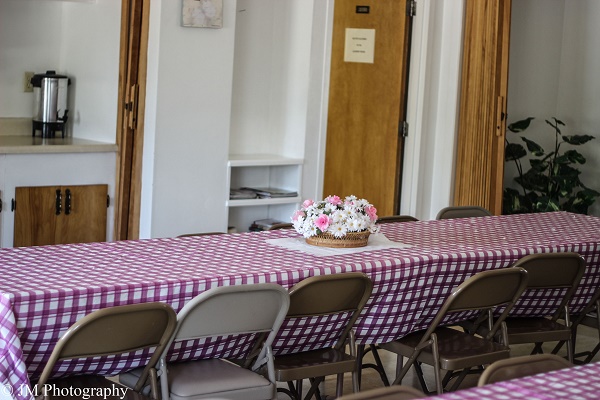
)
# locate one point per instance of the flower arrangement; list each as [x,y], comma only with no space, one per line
[335,216]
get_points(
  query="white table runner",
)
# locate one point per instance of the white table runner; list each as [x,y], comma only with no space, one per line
[377,241]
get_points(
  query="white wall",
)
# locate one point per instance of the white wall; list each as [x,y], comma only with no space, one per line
[80,40]
[579,87]
[270,81]
[90,55]
[187,122]
[26,44]
[554,64]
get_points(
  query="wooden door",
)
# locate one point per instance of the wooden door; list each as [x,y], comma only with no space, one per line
[60,214]
[367,105]
[482,119]
[130,117]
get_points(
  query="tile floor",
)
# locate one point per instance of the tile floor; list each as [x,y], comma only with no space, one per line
[586,340]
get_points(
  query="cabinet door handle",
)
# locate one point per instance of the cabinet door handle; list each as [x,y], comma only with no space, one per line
[67,201]
[58,201]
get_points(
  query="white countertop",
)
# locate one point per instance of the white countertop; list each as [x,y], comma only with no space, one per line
[21,144]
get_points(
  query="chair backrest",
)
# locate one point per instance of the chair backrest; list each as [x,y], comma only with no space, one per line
[484,291]
[331,294]
[589,315]
[554,271]
[517,367]
[394,392]
[116,330]
[233,310]
[396,218]
[462,212]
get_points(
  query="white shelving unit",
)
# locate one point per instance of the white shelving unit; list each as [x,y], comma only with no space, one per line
[262,170]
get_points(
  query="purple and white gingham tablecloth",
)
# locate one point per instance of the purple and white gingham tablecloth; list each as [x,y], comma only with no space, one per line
[45,289]
[581,382]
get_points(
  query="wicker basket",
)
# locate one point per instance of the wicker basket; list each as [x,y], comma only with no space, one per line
[351,239]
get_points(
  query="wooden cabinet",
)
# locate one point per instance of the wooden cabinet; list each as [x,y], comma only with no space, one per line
[60,214]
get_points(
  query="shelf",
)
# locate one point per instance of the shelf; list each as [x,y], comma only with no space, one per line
[262,171]
[263,202]
[258,160]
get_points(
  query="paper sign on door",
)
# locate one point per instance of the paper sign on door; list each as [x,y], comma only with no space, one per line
[360,45]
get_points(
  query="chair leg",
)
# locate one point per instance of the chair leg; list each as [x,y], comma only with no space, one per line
[459,379]
[378,366]
[355,381]
[291,392]
[421,378]
[339,387]
[314,388]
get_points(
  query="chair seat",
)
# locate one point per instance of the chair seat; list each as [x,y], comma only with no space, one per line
[530,330]
[313,363]
[457,349]
[209,379]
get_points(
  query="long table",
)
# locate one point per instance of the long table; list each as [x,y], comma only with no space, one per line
[581,382]
[45,289]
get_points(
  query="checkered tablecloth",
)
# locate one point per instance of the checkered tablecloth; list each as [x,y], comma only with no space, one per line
[47,288]
[581,382]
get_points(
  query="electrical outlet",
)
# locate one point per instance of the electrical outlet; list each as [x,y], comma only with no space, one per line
[27,86]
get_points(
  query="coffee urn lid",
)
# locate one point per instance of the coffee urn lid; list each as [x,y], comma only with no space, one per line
[36,80]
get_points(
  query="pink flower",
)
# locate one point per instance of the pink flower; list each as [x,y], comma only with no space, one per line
[307,203]
[322,222]
[298,214]
[371,212]
[335,200]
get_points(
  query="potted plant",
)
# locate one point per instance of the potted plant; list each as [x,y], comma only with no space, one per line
[552,181]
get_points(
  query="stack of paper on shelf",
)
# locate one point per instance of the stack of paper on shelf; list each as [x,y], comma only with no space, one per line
[272,193]
[264,224]
[242,194]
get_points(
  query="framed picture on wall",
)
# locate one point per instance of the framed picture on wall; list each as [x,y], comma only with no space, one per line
[202,13]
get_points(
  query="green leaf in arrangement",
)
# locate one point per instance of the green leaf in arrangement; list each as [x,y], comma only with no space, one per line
[533,147]
[574,157]
[555,125]
[576,140]
[552,182]
[514,151]
[520,125]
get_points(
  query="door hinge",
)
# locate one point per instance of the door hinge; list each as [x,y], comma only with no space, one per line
[107,201]
[13,205]
[132,106]
[403,129]
[411,8]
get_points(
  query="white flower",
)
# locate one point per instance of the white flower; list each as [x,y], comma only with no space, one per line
[338,230]
[350,215]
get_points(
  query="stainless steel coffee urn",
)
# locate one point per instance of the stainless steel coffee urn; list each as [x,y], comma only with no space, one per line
[50,94]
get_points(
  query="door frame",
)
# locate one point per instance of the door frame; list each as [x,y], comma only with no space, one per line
[130,149]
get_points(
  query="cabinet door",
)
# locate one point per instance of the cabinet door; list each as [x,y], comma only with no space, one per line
[35,215]
[83,218]
[59,215]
